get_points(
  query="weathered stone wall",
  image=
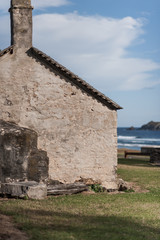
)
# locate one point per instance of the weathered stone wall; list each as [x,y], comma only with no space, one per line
[154,153]
[78,132]
[19,157]
[155,156]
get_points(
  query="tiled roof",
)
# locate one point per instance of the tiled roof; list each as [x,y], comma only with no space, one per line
[9,49]
[75,79]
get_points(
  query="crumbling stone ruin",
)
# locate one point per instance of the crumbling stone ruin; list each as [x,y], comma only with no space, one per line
[154,153]
[20,160]
[155,156]
[23,167]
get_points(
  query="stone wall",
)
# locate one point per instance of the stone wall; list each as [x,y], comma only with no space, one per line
[19,157]
[78,132]
[154,153]
[155,156]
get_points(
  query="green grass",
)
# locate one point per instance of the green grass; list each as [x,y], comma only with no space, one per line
[141,172]
[127,216]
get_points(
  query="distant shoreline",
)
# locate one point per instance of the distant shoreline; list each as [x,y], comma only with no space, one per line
[137,128]
[151,126]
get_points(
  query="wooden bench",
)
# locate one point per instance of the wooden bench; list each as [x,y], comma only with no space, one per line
[126,153]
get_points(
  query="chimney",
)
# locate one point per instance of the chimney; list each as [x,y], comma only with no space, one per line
[21,23]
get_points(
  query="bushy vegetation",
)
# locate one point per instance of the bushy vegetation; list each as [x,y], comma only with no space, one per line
[97,188]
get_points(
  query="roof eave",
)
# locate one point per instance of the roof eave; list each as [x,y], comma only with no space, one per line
[6,50]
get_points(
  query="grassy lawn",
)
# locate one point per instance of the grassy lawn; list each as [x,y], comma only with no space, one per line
[100,216]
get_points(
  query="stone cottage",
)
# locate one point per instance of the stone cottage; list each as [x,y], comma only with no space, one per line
[76,124]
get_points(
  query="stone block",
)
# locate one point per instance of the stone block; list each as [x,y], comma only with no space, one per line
[19,157]
[31,190]
[38,166]
[122,185]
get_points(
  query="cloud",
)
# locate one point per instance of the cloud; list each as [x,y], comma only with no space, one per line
[38,4]
[96,48]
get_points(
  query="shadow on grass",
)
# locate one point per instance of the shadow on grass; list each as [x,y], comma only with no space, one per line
[135,162]
[49,225]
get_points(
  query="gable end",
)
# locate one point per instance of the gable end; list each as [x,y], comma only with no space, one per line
[83,85]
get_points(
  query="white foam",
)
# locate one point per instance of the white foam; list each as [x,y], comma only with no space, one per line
[127,137]
[137,139]
[136,145]
[148,139]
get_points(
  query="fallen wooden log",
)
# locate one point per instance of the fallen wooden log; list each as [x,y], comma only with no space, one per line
[66,189]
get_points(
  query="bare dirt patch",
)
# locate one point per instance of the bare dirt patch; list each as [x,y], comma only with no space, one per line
[136,188]
[8,231]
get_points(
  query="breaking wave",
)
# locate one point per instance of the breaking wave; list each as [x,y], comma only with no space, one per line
[138,139]
[130,145]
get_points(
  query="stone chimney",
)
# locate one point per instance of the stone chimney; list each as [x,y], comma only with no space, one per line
[21,23]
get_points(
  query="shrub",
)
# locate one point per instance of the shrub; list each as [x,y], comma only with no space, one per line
[97,188]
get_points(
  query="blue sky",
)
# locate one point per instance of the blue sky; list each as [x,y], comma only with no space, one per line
[112,44]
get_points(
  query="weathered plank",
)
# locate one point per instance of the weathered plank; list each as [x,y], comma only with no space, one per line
[66,189]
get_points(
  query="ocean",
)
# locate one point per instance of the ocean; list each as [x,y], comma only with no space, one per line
[135,139]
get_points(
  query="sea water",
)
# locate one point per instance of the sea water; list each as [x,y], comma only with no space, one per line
[135,139]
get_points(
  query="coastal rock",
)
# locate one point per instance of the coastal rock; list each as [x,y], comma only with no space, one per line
[151,126]
[131,128]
